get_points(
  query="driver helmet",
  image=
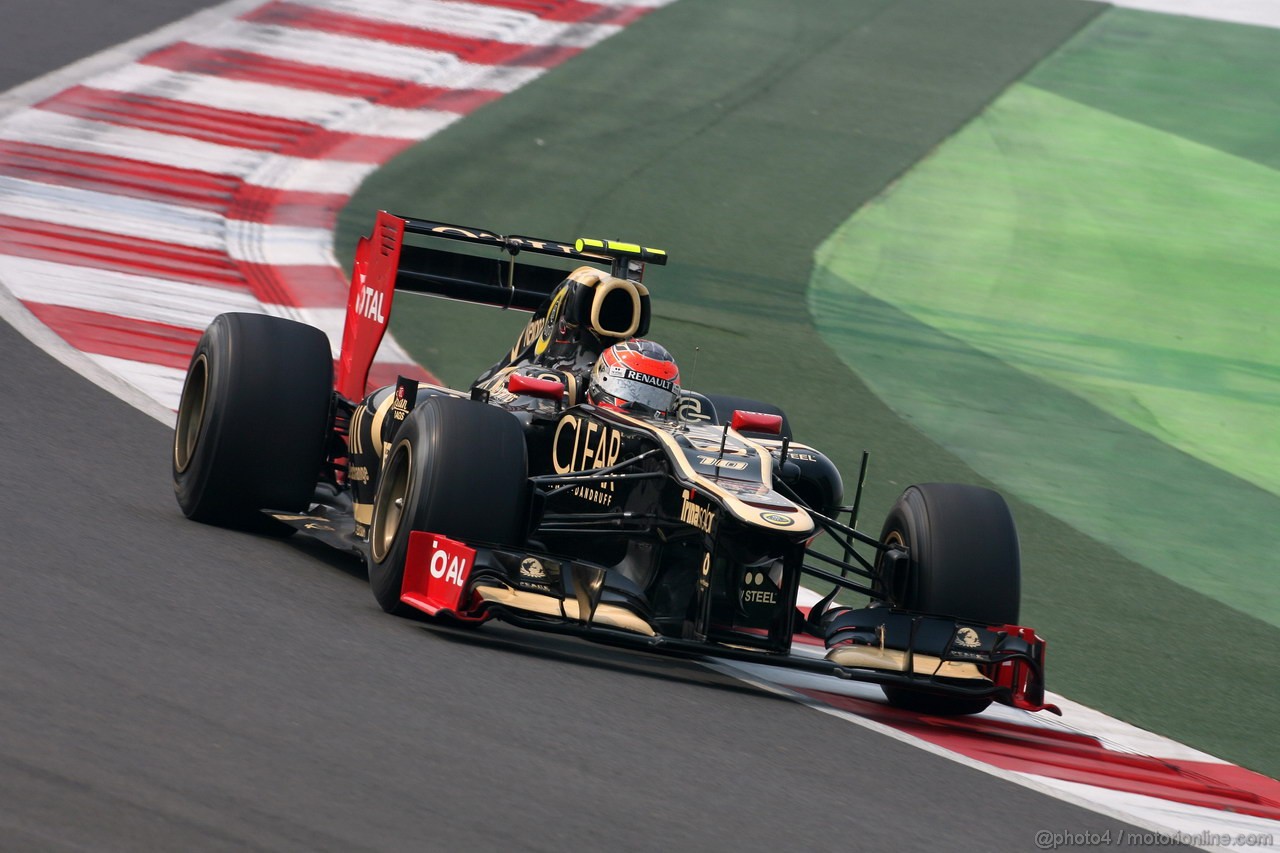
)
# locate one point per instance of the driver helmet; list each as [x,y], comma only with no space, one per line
[638,377]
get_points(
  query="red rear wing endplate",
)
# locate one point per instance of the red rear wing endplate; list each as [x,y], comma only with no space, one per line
[373,282]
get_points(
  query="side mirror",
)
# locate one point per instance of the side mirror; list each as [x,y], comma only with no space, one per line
[756,422]
[530,386]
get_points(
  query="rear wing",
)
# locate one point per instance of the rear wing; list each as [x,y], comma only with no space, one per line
[384,263]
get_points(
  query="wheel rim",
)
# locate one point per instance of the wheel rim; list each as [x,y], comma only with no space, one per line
[898,596]
[195,394]
[389,505]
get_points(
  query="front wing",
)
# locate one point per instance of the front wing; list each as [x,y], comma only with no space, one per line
[936,654]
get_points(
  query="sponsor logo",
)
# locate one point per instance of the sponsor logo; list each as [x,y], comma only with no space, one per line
[510,242]
[452,568]
[358,474]
[757,596]
[803,457]
[968,638]
[655,381]
[540,245]
[496,385]
[694,515]
[690,409]
[537,575]
[584,445]
[446,230]
[553,318]
[777,518]
[531,567]
[406,398]
[532,331]
[402,402]
[602,495]
[369,304]
[731,464]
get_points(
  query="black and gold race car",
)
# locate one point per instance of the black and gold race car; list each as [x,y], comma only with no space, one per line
[686,531]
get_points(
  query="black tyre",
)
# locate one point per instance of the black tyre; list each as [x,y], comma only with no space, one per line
[253,419]
[727,404]
[456,467]
[965,564]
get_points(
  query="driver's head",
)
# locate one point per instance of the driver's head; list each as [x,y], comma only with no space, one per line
[638,377]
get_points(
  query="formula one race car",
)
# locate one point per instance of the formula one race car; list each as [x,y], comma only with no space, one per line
[575,487]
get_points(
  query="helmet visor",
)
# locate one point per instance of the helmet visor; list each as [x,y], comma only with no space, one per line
[647,393]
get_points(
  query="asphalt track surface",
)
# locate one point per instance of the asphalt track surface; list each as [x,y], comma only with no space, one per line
[167,685]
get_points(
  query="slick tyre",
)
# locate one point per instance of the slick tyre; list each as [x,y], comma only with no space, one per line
[726,404]
[456,467]
[252,420]
[965,563]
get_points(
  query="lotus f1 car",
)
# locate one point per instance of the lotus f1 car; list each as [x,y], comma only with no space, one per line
[688,532]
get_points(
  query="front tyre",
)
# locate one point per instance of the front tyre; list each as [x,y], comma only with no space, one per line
[456,467]
[965,563]
[252,420]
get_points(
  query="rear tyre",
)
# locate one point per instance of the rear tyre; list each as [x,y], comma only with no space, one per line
[726,404]
[252,420]
[456,467]
[965,564]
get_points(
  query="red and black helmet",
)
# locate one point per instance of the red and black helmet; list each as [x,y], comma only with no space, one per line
[636,377]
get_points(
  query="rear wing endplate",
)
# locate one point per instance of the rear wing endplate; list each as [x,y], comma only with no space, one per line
[385,264]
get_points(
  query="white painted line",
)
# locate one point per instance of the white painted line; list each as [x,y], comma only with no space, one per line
[333,112]
[161,384]
[751,674]
[1123,737]
[26,323]
[167,149]
[317,176]
[279,245]
[427,67]
[112,214]
[472,20]
[1261,13]
[1077,719]
[1197,824]
[398,124]
[1115,735]
[188,306]
[806,597]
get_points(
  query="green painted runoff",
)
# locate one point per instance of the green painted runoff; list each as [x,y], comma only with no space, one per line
[1123,274]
